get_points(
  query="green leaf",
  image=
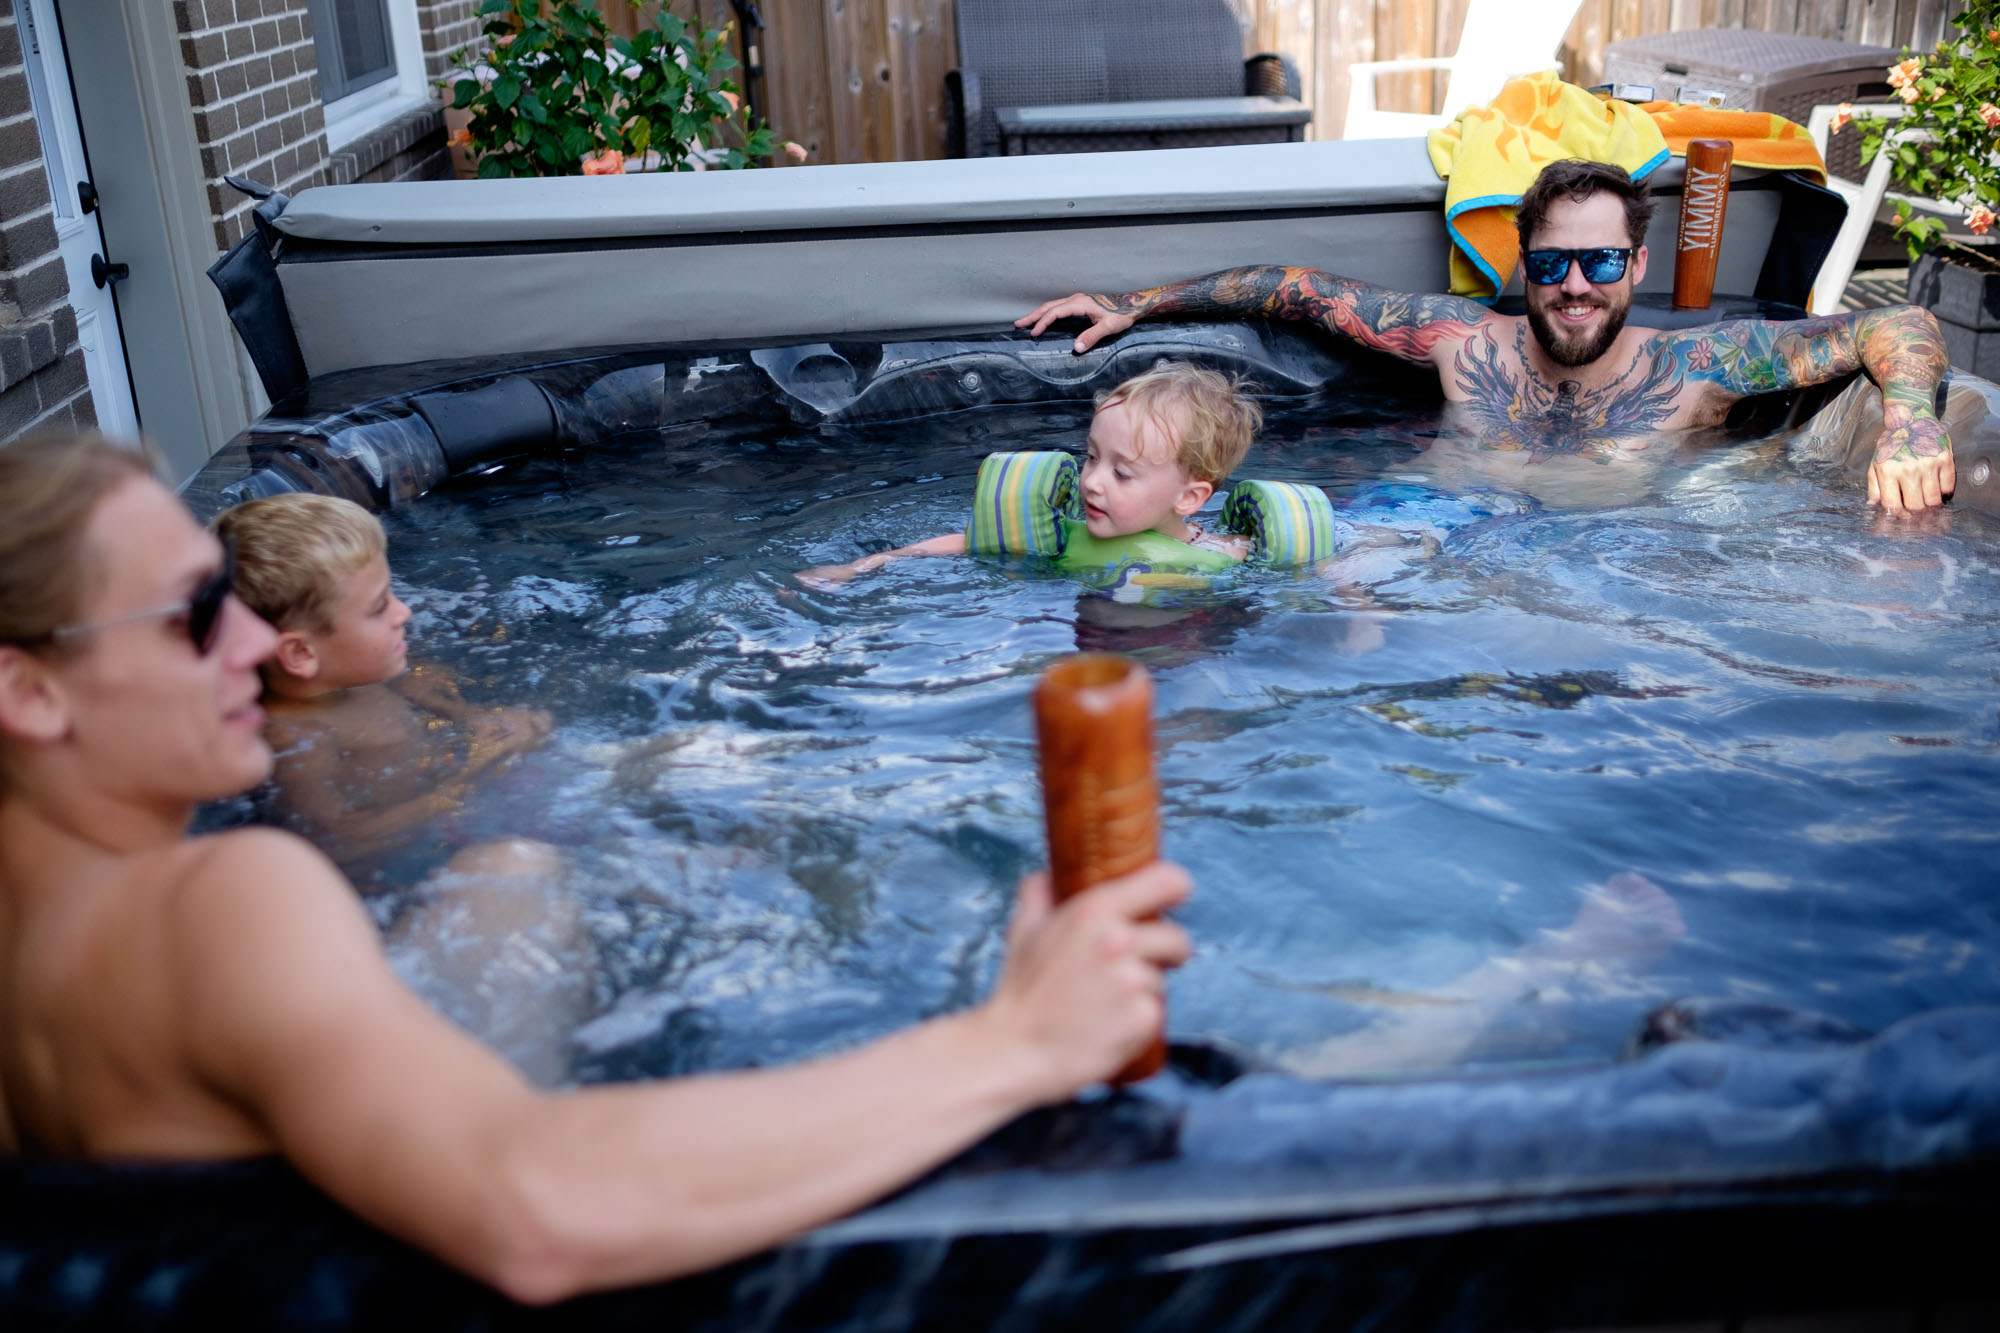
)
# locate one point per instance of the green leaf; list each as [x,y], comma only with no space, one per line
[464,91]
[531,107]
[671,28]
[640,135]
[506,89]
[494,6]
[491,167]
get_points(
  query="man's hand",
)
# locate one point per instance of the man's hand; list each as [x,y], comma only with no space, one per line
[1084,986]
[1913,468]
[1105,321]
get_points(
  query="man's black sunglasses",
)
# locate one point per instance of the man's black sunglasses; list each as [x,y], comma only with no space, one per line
[1604,263]
[203,609]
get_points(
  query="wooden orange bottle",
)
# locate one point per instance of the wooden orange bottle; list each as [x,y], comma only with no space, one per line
[1704,205]
[1094,724]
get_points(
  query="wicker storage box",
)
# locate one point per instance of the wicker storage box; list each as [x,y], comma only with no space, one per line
[1759,71]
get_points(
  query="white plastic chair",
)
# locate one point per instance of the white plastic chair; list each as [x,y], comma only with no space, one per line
[1501,38]
[1863,200]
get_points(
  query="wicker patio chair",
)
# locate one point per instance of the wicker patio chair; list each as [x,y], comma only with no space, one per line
[1101,75]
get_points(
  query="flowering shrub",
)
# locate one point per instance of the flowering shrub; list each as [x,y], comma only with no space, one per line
[555,95]
[1953,96]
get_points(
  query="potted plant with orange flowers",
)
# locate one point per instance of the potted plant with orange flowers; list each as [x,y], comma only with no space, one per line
[555,94]
[1946,150]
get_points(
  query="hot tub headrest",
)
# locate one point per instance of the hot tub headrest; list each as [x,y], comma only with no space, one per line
[479,427]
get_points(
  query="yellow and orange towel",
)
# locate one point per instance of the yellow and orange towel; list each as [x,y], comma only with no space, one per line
[1491,154]
[1762,139]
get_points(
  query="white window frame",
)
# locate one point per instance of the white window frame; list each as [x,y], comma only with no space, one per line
[370,108]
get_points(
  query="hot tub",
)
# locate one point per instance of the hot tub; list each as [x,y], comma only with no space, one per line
[1416,1083]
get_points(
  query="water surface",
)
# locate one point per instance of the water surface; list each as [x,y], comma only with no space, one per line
[793,818]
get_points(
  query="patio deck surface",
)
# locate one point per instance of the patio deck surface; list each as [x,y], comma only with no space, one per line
[1873,288]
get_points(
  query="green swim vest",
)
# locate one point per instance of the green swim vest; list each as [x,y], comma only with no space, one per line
[1028,503]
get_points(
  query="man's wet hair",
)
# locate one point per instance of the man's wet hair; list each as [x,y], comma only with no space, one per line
[1577,180]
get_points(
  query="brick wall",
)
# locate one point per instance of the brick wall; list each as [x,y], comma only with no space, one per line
[253,84]
[447,25]
[42,381]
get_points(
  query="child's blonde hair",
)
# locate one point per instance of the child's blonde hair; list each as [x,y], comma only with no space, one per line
[1202,411]
[292,551]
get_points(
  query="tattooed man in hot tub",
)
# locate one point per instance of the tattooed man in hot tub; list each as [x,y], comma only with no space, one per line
[1569,379]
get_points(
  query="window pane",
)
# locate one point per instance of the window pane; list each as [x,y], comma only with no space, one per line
[364,40]
[351,41]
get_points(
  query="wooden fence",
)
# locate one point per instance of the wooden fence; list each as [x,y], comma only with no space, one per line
[863,80]
[849,80]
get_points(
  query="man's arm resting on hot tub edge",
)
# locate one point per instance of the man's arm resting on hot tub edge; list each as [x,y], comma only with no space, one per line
[292,1014]
[1899,347]
[1415,326]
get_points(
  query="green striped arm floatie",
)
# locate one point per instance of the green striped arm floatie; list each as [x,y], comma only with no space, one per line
[1020,502]
[1288,523]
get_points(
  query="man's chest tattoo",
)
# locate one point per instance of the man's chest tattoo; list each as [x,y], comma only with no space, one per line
[1518,411]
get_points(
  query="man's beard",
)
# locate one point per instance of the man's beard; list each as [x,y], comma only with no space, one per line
[1580,350]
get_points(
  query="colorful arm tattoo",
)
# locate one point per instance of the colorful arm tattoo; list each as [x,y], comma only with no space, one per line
[1403,324]
[1900,348]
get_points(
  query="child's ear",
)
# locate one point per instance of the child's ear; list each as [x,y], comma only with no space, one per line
[295,655]
[32,703]
[1193,496]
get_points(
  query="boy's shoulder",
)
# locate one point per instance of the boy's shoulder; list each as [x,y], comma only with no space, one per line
[350,712]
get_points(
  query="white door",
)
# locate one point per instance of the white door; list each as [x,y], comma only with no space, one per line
[77,228]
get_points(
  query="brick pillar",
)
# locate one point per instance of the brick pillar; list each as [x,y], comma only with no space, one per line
[253,83]
[42,381]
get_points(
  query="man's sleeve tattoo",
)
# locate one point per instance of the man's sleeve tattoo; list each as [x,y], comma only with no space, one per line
[1900,347]
[1403,324]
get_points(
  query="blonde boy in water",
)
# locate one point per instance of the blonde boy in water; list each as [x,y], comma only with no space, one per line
[1160,444]
[371,754]
[372,760]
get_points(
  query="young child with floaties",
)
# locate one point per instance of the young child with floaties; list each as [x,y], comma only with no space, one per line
[1160,445]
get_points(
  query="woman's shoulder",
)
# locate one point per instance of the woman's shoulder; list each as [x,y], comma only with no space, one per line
[214,868]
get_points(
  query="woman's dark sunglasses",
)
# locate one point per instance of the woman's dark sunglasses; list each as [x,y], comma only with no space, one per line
[203,609]
[1545,268]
